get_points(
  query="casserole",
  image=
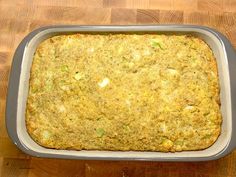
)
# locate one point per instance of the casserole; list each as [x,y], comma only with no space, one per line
[155,98]
[19,81]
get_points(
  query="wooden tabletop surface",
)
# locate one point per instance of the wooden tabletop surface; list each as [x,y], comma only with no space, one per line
[19,17]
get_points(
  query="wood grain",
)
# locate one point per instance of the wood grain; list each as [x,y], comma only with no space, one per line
[19,17]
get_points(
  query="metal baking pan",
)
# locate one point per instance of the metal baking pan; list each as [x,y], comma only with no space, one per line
[19,80]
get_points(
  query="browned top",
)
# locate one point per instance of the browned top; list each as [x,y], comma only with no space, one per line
[20,17]
[148,92]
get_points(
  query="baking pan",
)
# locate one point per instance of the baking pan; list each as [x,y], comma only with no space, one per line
[19,82]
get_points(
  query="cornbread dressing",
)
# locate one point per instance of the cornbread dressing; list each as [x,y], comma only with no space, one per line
[141,92]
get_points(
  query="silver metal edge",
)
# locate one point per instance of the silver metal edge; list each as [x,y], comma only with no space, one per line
[13,87]
[231,56]
[12,92]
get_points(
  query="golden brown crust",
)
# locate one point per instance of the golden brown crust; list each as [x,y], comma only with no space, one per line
[147,92]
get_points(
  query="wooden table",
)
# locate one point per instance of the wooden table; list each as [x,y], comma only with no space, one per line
[19,17]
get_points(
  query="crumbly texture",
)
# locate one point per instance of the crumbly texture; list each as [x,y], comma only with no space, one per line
[140,92]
